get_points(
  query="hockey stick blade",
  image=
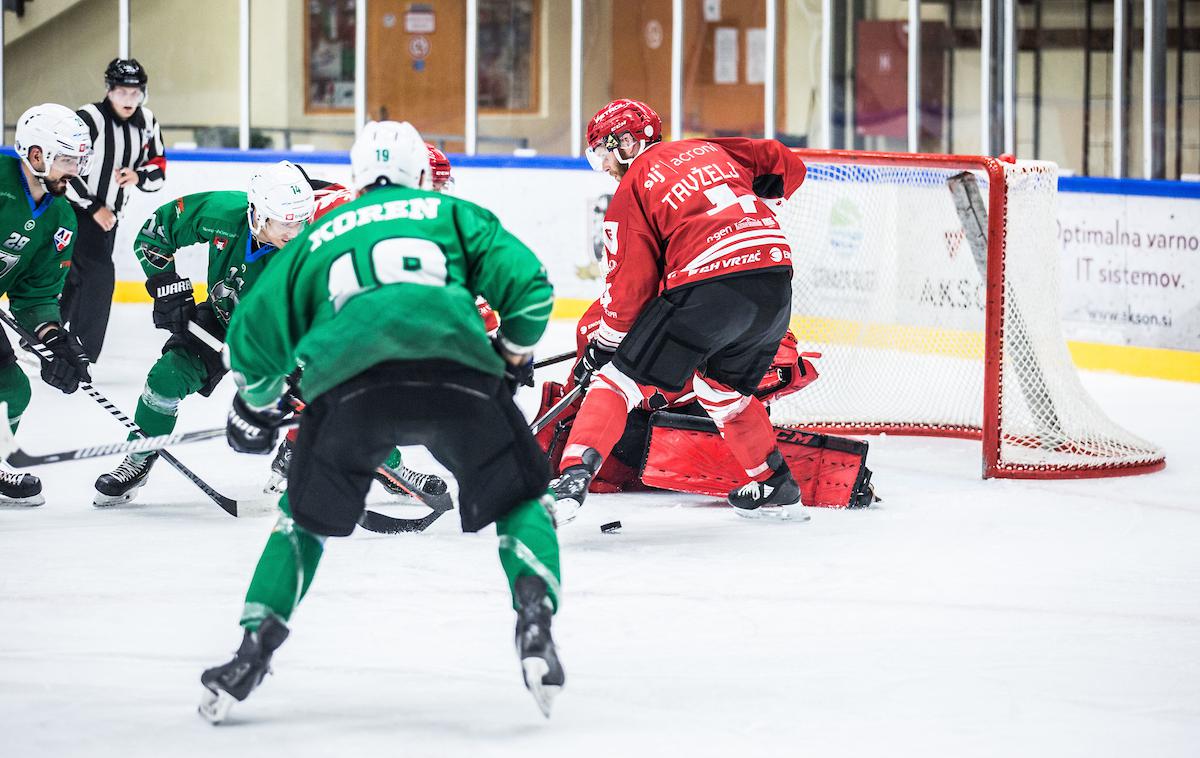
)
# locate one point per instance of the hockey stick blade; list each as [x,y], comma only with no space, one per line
[229,505]
[373,521]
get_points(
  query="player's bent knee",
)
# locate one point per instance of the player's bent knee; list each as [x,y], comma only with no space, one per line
[612,379]
[720,402]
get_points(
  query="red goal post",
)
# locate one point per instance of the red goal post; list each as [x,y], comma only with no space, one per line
[929,284]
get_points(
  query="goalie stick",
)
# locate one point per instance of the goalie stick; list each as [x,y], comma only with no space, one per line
[968,202]
[229,505]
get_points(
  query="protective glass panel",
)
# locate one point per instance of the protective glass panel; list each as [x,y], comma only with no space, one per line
[524,66]
[950,103]
[1054,110]
[628,54]
[724,67]
[193,90]
[416,67]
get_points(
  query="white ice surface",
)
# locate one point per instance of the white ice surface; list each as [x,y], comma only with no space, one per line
[960,617]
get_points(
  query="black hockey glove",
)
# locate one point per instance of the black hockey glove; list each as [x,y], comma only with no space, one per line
[174,305]
[251,430]
[594,358]
[69,364]
[516,375]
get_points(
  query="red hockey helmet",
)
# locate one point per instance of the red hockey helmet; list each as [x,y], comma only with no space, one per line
[627,124]
[439,170]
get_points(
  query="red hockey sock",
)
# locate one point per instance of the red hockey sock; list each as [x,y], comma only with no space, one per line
[598,425]
[751,438]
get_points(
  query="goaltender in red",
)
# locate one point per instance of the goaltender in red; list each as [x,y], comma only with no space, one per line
[697,293]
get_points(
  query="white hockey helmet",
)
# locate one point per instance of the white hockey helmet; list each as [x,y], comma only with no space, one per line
[61,135]
[280,192]
[390,150]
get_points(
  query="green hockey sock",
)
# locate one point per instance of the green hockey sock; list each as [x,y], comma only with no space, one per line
[284,571]
[14,390]
[173,377]
[394,460]
[529,545]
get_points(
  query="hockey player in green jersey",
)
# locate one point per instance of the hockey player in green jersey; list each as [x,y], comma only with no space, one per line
[377,302]
[37,226]
[243,232]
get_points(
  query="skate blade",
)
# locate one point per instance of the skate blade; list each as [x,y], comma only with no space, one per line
[215,706]
[543,694]
[779,513]
[275,485]
[104,501]
[23,502]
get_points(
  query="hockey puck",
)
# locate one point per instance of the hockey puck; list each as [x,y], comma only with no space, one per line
[610,527]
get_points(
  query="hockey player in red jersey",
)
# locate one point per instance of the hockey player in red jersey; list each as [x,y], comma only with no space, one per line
[697,293]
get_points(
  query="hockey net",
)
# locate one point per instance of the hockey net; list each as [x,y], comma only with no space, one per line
[936,316]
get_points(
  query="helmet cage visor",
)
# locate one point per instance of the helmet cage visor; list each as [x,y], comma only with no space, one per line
[618,145]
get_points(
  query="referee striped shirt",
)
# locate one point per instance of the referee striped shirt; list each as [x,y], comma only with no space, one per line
[136,143]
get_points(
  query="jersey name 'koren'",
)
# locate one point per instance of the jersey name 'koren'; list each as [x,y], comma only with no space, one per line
[416,209]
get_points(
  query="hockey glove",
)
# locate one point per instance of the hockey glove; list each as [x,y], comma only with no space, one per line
[174,305]
[518,367]
[594,358]
[69,364]
[253,430]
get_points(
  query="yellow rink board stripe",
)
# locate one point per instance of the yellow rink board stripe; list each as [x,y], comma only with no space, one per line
[1159,363]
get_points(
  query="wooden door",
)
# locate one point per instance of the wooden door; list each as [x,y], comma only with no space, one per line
[641,64]
[418,75]
[641,54]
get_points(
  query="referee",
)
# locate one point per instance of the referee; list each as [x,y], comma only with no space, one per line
[127,152]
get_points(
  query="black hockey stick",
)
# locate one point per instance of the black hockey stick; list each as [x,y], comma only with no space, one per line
[439,504]
[543,363]
[373,521]
[556,410]
[229,505]
[22,459]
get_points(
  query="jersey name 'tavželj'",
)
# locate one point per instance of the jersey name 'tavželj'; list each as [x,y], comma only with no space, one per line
[218,219]
[390,276]
[36,241]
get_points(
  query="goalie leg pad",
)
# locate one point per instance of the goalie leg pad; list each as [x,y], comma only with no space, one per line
[687,454]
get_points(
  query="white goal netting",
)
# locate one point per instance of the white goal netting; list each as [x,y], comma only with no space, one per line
[891,287]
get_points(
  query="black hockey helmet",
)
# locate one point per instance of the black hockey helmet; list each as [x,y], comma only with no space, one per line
[125,72]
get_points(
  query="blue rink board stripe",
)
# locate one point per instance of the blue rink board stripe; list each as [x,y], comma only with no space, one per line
[1087,184]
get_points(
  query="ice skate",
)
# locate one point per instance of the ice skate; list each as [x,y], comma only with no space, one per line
[234,681]
[429,484]
[20,489]
[279,469]
[777,498]
[571,486]
[122,483]
[544,676]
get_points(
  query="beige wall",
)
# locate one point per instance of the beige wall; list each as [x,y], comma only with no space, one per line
[58,51]
[56,56]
